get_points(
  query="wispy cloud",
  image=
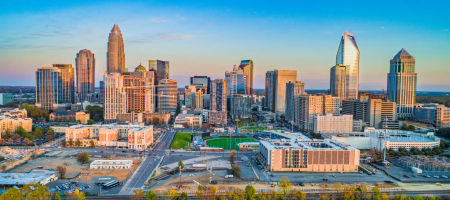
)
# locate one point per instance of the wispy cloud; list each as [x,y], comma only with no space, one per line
[159,21]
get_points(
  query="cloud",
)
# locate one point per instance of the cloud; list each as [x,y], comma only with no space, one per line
[159,21]
[160,37]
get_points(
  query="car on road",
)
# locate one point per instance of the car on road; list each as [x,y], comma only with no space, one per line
[325,179]
[406,176]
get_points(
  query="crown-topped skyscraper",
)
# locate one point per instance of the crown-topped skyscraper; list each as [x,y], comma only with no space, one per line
[116,54]
[348,55]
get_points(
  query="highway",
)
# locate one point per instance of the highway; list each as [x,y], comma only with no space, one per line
[151,162]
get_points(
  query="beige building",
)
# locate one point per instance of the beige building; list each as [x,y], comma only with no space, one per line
[188,120]
[247,67]
[338,81]
[139,87]
[115,96]
[85,68]
[281,77]
[112,135]
[381,113]
[331,105]
[308,156]
[82,117]
[11,124]
[331,124]
[306,107]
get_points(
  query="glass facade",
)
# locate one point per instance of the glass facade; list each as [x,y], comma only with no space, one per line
[348,55]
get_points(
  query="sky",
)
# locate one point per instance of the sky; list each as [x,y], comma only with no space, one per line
[209,37]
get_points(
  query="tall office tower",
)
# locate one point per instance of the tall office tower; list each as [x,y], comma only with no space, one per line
[48,87]
[308,106]
[203,81]
[338,83]
[331,105]
[101,98]
[188,97]
[402,83]
[270,91]
[140,89]
[198,99]
[236,82]
[115,96]
[166,95]
[247,67]
[382,114]
[241,106]
[161,67]
[115,60]
[68,83]
[218,97]
[293,88]
[281,77]
[85,66]
[348,55]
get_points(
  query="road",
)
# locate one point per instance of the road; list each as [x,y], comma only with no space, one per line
[150,163]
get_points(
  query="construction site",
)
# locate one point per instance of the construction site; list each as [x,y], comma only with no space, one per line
[427,165]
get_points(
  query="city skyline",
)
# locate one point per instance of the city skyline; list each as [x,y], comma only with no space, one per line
[171,37]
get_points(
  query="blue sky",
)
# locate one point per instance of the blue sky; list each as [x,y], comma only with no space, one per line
[208,37]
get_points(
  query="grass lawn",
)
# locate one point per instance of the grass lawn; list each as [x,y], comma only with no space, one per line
[181,140]
[225,142]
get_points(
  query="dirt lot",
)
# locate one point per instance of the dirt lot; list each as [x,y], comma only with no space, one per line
[68,160]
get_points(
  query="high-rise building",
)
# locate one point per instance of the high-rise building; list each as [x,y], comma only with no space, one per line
[402,83]
[270,91]
[338,81]
[115,96]
[293,88]
[203,81]
[236,82]
[357,108]
[348,55]
[241,106]
[140,89]
[307,107]
[161,67]
[381,114]
[189,96]
[218,114]
[67,83]
[247,67]
[167,96]
[85,67]
[331,105]
[277,88]
[115,60]
[48,87]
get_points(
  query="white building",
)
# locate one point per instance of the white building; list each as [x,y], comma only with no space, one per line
[333,123]
[111,164]
[42,176]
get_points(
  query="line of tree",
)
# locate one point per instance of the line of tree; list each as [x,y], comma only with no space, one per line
[35,113]
[21,136]
[443,132]
[434,99]
[402,151]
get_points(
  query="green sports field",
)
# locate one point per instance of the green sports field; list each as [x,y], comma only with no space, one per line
[180,140]
[225,142]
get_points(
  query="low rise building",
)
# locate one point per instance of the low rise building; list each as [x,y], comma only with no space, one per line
[248,146]
[82,117]
[41,176]
[218,118]
[62,116]
[11,124]
[111,164]
[308,155]
[115,135]
[188,120]
[435,114]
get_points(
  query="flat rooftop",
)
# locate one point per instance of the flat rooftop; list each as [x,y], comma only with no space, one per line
[24,178]
[325,144]
[133,127]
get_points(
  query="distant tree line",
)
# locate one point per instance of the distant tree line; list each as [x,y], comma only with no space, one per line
[434,99]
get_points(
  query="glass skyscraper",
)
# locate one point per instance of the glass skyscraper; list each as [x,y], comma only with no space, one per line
[348,55]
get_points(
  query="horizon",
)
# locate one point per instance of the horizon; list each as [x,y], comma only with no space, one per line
[212,37]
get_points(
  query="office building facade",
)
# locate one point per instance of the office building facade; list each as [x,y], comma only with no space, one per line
[115,56]
[348,55]
[247,68]
[167,96]
[85,67]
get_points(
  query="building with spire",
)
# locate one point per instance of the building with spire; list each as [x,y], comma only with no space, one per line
[116,54]
[85,70]
[402,83]
[348,56]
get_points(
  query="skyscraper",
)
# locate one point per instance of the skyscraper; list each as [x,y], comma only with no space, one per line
[140,89]
[161,67]
[293,88]
[247,68]
[236,82]
[218,114]
[85,67]
[203,81]
[167,96]
[348,55]
[338,81]
[115,96]
[115,60]
[67,83]
[402,83]
[276,88]
[48,87]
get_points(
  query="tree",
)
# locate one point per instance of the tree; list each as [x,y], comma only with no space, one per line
[173,194]
[180,164]
[214,191]
[300,195]
[70,142]
[90,121]
[138,194]
[285,184]
[78,143]
[92,144]
[250,192]
[273,195]
[83,157]
[199,192]
[237,171]
[39,132]
[26,141]
[156,121]
[58,196]
[21,131]
[183,196]
[150,195]
[78,195]
[232,156]
[61,171]
[95,112]
[376,194]
[260,196]
[37,191]
[11,194]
